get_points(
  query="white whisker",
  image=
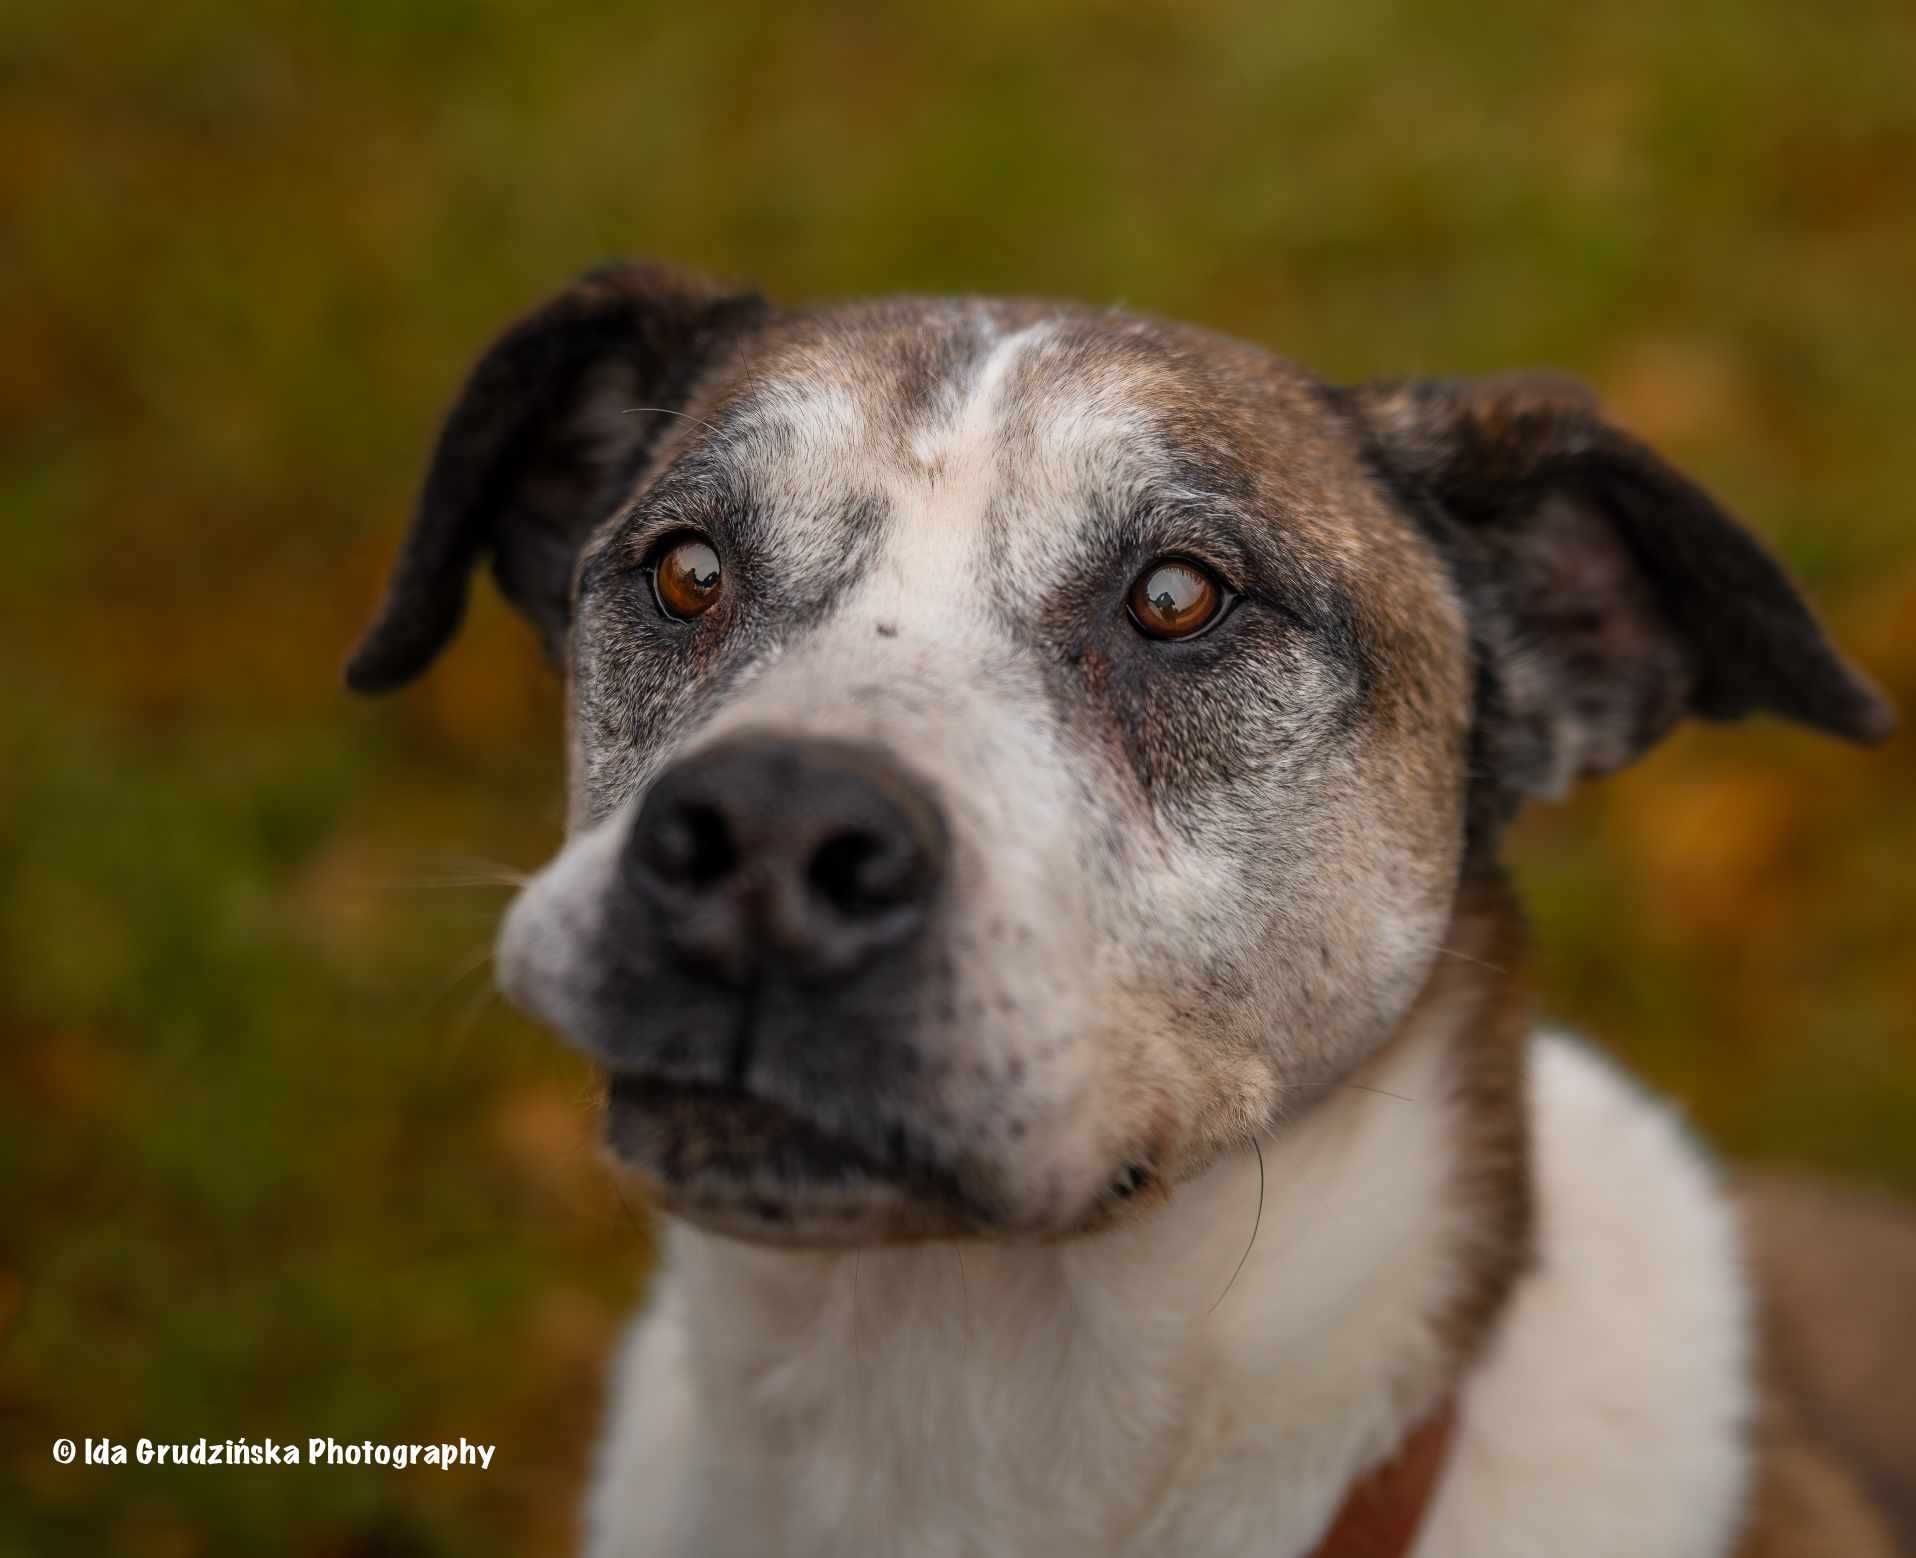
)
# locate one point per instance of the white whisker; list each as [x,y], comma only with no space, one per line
[667,411]
[1256,1224]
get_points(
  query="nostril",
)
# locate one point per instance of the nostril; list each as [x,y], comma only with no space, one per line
[776,858]
[692,847]
[861,873]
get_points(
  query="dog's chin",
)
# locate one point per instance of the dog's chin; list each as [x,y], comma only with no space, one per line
[733,1164]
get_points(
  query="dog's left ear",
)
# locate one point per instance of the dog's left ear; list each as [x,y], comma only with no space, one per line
[1609,595]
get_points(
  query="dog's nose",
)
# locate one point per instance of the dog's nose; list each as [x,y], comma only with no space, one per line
[778,856]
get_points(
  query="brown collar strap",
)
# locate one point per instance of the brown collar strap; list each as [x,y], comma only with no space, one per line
[1382,1513]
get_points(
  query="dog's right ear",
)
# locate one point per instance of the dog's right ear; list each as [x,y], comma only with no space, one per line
[552,428]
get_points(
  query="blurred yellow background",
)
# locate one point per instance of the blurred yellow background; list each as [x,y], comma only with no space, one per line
[273,1162]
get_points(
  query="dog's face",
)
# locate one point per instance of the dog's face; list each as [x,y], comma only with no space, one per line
[1185,866]
[1018,752]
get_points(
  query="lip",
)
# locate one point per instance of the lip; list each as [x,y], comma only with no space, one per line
[736,1164]
[711,1126]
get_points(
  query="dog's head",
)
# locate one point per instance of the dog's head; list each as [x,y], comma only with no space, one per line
[1018,752]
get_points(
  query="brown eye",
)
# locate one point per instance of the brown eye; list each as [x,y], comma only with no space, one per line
[686,578]
[1176,599]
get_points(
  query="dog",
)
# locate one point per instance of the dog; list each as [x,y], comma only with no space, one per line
[1036,782]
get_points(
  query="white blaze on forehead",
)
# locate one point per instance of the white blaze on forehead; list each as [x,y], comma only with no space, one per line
[966,406]
[1029,428]
[939,504]
[966,443]
[1030,455]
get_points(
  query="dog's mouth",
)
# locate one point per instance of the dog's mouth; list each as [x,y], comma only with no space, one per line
[738,1164]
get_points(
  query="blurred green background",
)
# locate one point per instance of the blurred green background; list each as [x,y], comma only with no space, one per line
[271,1161]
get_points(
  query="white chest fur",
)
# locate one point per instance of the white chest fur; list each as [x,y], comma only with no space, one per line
[1612,1415]
[1110,1396]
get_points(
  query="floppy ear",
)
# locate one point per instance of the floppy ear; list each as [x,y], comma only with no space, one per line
[552,428]
[1609,595]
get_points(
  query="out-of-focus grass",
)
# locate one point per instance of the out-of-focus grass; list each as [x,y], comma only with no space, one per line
[273,1164]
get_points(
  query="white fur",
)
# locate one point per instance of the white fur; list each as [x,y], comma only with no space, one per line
[1611,1417]
[1111,1396]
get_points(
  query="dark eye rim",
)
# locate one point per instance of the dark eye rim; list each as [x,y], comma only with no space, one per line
[655,554]
[1227,597]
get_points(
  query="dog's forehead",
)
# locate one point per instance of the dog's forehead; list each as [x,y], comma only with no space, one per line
[1038,418]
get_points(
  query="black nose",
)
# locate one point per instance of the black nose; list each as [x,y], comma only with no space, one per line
[770,855]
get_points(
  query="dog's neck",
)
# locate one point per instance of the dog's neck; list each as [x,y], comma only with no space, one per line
[1105,1387]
